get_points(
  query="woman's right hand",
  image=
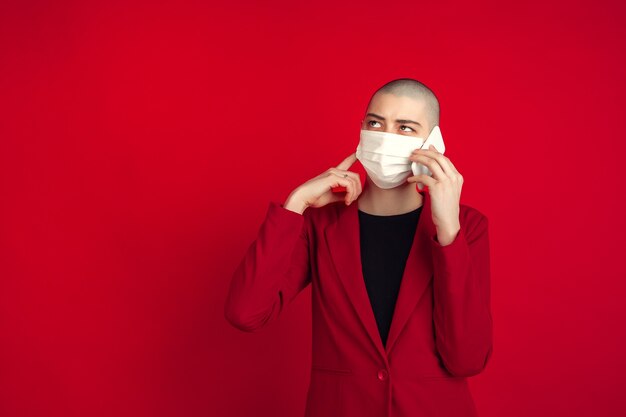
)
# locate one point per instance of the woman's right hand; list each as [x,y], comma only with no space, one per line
[317,192]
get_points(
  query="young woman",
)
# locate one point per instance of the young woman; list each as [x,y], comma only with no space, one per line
[400,277]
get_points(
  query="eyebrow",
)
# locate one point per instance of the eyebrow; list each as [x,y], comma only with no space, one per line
[374,115]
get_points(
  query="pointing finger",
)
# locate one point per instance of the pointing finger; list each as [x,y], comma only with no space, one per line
[348,162]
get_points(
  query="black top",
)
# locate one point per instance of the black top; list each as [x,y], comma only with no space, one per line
[385,245]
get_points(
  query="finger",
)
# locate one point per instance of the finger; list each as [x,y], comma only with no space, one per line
[423,178]
[348,162]
[356,192]
[340,189]
[355,189]
[444,162]
[432,164]
[351,190]
[346,182]
[353,175]
[456,171]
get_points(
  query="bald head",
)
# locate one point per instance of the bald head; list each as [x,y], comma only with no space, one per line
[414,89]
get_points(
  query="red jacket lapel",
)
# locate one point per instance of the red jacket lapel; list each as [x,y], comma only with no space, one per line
[343,240]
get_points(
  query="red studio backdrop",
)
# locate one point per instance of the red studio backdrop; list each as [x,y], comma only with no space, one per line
[141,142]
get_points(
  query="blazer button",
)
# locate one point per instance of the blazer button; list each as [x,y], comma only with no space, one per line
[383,374]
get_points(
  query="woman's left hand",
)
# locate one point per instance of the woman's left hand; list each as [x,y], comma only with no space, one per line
[444,188]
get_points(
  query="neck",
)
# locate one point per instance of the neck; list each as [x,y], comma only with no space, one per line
[399,200]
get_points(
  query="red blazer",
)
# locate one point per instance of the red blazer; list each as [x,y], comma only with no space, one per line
[441,330]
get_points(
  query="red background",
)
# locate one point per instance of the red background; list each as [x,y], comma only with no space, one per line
[140,145]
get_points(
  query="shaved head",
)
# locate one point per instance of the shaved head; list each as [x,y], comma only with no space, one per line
[414,89]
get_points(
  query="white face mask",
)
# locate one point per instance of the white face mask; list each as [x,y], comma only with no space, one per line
[385,156]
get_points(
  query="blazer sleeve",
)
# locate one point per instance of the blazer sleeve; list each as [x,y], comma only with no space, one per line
[274,269]
[462,312]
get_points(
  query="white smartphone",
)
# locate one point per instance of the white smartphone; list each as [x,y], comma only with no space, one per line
[436,139]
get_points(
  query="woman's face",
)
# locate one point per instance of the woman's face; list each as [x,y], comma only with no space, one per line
[397,114]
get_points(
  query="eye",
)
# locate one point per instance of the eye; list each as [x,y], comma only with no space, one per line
[373,121]
[411,129]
